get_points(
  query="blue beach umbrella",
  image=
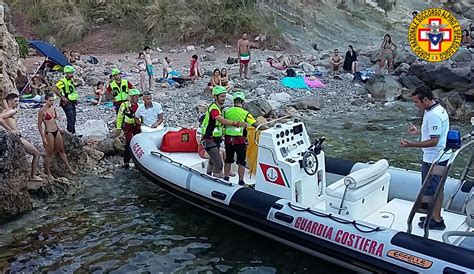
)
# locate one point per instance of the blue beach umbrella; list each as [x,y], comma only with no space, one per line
[50,52]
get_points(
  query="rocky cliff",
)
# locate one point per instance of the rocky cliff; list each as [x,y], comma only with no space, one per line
[10,63]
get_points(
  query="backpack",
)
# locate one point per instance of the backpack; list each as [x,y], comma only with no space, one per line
[290,72]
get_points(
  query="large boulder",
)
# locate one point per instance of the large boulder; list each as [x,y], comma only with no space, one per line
[442,75]
[93,129]
[374,53]
[411,82]
[259,107]
[313,102]
[76,154]
[384,87]
[454,105]
[307,67]
[10,63]
[107,147]
[462,55]
[402,68]
[14,170]
[281,97]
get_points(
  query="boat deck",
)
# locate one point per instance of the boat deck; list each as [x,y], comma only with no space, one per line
[395,214]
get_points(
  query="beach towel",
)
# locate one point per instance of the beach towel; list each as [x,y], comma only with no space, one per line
[313,82]
[294,82]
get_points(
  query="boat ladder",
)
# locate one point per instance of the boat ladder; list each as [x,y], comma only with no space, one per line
[425,204]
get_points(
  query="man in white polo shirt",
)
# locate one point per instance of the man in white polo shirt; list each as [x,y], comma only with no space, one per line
[150,113]
[434,132]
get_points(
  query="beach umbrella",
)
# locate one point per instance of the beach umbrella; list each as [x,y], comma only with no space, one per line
[50,52]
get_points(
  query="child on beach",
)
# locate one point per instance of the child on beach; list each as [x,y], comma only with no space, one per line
[149,66]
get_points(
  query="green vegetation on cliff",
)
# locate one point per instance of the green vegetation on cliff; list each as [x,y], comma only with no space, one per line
[147,20]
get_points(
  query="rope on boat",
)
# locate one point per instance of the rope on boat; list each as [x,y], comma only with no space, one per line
[335,218]
[180,165]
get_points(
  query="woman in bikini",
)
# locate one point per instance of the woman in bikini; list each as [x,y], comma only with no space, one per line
[51,136]
[387,54]
[225,81]
[215,80]
[141,66]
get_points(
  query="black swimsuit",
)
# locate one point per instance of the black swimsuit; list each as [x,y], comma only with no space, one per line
[55,133]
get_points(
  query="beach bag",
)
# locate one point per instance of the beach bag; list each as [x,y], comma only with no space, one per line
[290,72]
[183,140]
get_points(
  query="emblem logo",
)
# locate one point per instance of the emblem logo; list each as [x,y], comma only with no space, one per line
[272,174]
[434,35]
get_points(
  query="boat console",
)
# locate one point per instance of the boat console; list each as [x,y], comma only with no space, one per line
[288,166]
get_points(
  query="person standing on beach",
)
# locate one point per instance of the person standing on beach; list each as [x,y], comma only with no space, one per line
[243,50]
[118,88]
[66,89]
[51,136]
[149,66]
[8,121]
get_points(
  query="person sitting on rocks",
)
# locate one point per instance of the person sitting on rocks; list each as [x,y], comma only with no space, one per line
[466,39]
[126,121]
[225,81]
[149,113]
[194,70]
[350,61]
[387,54]
[8,121]
[336,61]
[38,85]
[73,57]
[51,136]
[215,80]
[99,92]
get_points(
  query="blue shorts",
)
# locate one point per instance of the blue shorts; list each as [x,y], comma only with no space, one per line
[434,182]
[149,70]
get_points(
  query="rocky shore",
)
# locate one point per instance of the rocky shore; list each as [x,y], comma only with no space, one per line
[98,153]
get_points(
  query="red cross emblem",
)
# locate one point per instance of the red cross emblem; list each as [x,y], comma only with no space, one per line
[423,35]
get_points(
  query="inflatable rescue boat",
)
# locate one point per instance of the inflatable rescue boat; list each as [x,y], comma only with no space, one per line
[363,216]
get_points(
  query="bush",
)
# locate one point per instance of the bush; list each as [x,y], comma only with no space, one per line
[178,20]
[24,46]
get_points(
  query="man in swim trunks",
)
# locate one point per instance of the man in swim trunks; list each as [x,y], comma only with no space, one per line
[149,66]
[10,124]
[336,62]
[243,50]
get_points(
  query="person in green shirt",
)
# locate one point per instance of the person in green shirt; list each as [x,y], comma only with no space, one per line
[236,137]
[127,123]
[212,131]
[66,89]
